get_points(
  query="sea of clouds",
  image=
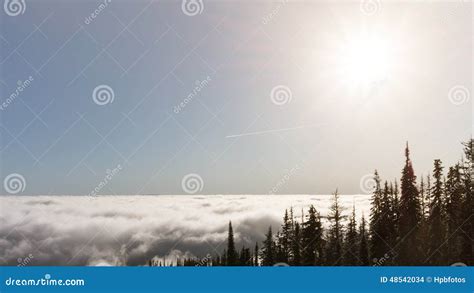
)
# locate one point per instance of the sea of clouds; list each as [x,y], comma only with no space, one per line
[130,230]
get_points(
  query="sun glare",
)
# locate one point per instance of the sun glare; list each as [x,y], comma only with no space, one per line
[365,60]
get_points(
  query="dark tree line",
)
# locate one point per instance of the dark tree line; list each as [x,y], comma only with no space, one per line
[431,223]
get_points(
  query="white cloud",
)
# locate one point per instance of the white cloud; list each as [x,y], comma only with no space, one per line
[118,230]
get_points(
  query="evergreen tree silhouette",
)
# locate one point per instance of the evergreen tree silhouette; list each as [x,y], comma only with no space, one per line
[285,238]
[268,257]
[279,253]
[410,216]
[378,220]
[335,233]
[363,244]
[244,257]
[393,229]
[436,218]
[388,218]
[454,194]
[351,248]
[424,230]
[312,239]
[296,245]
[231,252]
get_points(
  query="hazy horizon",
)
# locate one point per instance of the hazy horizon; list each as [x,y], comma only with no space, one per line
[131,230]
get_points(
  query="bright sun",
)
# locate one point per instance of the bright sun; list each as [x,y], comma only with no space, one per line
[365,60]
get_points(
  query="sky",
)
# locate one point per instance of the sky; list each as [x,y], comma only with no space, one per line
[229,97]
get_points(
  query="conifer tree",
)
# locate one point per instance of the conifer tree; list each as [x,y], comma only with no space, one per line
[383,222]
[312,239]
[268,257]
[279,253]
[454,194]
[296,243]
[285,238]
[363,244]
[436,218]
[256,253]
[393,229]
[351,248]
[244,257]
[410,216]
[335,233]
[231,252]
[389,220]
[377,225]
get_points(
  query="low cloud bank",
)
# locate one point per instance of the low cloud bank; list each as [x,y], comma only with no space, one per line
[130,230]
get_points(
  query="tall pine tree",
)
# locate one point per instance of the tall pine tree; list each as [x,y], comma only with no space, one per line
[410,216]
[231,252]
[378,241]
[268,249]
[454,194]
[351,248]
[335,233]
[285,238]
[312,239]
[296,245]
[363,244]
[436,237]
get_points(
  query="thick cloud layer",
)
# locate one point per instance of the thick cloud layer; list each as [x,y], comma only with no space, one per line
[130,230]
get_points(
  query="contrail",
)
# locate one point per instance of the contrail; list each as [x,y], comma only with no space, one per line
[274,130]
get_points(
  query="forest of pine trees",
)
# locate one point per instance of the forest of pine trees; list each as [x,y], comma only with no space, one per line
[431,223]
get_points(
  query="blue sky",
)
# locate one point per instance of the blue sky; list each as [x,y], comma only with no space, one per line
[331,133]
